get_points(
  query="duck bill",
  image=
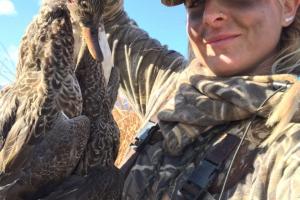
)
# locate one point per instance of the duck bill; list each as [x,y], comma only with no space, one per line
[90,36]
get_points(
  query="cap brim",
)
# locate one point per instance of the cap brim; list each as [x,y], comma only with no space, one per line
[172,2]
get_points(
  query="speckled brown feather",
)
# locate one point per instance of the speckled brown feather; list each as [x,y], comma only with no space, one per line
[45,84]
[102,183]
[53,144]
[98,101]
[40,144]
[96,177]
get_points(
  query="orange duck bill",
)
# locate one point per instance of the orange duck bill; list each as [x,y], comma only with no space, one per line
[90,36]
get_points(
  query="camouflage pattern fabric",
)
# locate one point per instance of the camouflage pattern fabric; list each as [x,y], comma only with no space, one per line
[153,75]
[201,103]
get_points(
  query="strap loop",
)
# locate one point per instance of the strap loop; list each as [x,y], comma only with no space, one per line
[195,187]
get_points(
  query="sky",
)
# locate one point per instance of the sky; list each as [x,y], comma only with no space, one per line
[162,23]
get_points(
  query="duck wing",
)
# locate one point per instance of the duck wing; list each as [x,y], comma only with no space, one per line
[46,84]
[101,183]
[44,163]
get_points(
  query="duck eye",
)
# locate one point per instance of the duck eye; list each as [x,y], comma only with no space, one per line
[84,4]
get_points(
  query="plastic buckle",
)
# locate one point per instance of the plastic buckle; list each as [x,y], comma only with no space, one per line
[143,136]
[197,183]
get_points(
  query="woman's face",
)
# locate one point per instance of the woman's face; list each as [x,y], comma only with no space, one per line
[236,37]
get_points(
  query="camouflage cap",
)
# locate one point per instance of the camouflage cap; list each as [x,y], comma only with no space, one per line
[172,2]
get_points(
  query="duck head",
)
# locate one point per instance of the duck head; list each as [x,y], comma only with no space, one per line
[88,14]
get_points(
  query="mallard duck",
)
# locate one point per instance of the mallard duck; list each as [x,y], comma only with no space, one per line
[96,177]
[99,95]
[42,134]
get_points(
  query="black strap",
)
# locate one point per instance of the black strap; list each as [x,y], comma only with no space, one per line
[222,151]
[195,187]
[145,136]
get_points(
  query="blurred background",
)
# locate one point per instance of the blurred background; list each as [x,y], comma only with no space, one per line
[162,23]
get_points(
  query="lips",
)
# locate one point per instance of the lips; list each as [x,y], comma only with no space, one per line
[220,39]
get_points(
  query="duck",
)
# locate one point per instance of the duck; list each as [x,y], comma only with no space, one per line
[96,176]
[99,94]
[43,134]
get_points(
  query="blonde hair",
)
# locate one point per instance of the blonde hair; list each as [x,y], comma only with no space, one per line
[288,57]
[288,62]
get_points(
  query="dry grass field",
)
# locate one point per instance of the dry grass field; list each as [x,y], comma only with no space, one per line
[128,123]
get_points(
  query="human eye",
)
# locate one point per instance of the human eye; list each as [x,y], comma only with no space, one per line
[240,3]
[195,9]
[194,3]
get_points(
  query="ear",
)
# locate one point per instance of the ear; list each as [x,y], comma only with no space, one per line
[290,8]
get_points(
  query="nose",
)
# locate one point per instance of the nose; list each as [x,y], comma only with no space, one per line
[213,14]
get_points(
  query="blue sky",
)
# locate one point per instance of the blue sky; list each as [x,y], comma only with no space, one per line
[165,24]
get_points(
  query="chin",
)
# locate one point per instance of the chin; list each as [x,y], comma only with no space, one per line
[224,69]
[224,73]
[229,66]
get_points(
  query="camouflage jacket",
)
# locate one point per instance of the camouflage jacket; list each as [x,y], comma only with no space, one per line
[152,75]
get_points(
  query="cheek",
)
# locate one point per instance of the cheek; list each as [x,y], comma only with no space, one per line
[192,29]
[194,35]
[262,33]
